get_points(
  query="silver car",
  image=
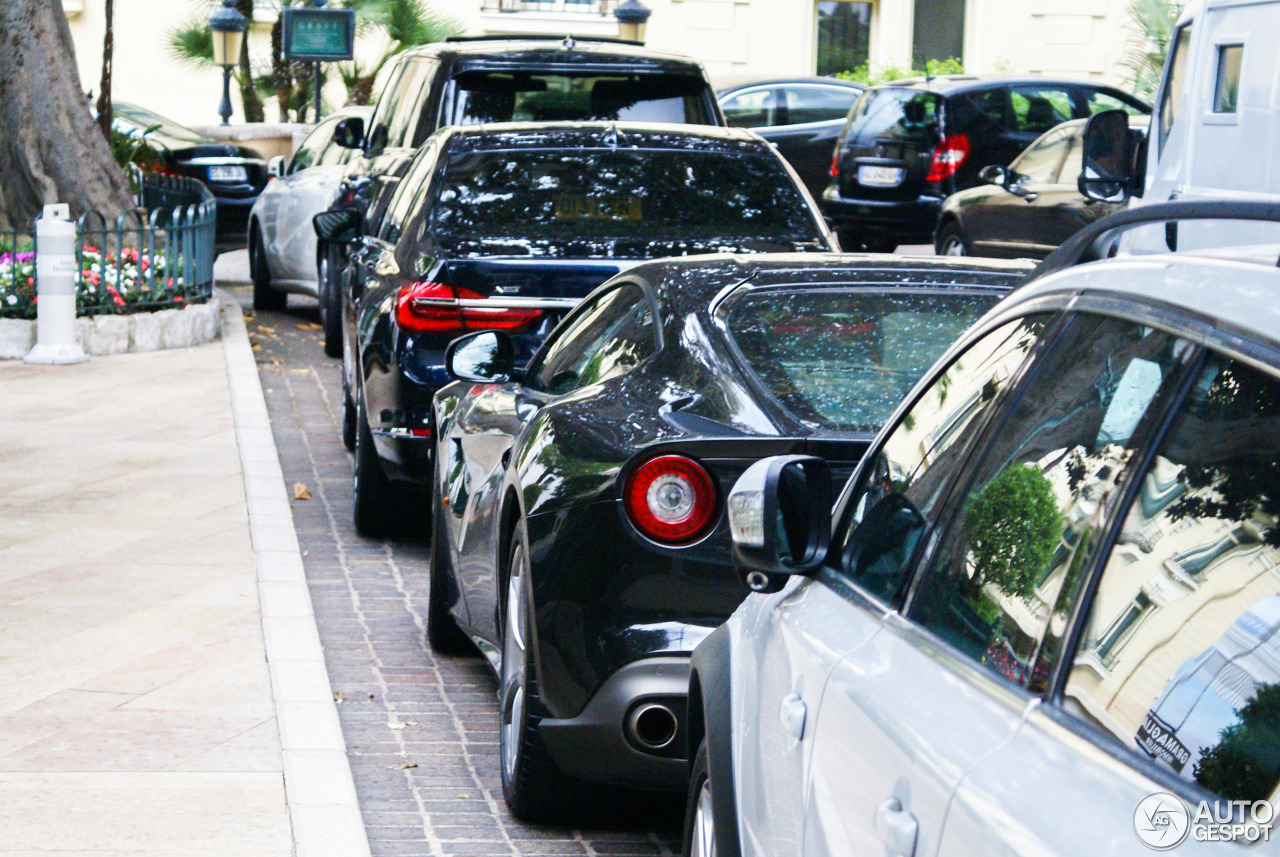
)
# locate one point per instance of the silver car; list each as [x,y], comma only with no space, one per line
[1042,616]
[282,242]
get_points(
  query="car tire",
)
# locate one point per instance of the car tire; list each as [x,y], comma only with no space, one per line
[330,301]
[264,297]
[443,633]
[950,241]
[534,787]
[348,416]
[375,510]
[699,816]
[858,242]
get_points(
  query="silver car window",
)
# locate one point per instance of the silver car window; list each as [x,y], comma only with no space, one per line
[1179,660]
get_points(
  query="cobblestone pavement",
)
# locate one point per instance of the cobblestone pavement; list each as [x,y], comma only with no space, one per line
[421,729]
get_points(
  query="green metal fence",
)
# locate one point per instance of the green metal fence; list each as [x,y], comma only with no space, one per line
[157,257]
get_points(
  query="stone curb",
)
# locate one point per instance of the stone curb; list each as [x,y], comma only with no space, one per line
[121,334]
[318,784]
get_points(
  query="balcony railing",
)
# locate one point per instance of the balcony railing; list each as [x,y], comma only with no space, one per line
[604,8]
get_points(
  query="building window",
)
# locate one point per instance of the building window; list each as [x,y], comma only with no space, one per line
[844,35]
[938,33]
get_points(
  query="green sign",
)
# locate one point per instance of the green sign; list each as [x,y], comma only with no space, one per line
[319,35]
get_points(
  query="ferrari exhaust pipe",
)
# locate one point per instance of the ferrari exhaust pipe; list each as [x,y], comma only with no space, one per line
[653,725]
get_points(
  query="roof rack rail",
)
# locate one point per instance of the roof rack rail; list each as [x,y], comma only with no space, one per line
[542,37]
[1093,242]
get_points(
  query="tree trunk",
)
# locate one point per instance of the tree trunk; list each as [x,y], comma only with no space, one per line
[280,71]
[104,86]
[50,148]
[250,102]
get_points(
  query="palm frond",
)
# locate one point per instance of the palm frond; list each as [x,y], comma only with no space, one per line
[191,43]
[1151,24]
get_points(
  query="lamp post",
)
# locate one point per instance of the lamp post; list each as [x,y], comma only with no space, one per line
[632,16]
[228,27]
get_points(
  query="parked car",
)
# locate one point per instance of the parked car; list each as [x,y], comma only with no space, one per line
[507,227]
[234,174]
[908,145]
[283,255]
[802,116]
[1027,209]
[1211,132]
[1040,618]
[578,513]
[468,80]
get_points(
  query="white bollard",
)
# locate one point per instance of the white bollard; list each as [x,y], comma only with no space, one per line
[56,289]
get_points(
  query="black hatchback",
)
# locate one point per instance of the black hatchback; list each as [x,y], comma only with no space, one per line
[908,145]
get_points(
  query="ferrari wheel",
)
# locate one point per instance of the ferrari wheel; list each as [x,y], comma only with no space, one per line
[535,788]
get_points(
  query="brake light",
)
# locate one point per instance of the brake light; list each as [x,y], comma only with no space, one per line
[670,498]
[948,157]
[835,163]
[433,308]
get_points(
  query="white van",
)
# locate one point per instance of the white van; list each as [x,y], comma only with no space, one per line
[1216,123]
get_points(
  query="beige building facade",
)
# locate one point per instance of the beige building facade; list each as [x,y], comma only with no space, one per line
[737,40]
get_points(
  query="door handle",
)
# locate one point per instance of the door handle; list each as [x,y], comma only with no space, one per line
[792,713]
[897,828]
[1031,197]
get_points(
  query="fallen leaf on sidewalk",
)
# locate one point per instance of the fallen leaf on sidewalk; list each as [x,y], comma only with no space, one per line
[395,724]
[407,764]
[257,346]
[339,695]
[308,325]
[301,491]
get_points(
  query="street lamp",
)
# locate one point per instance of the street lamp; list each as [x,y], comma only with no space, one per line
[228,27]
[632,16]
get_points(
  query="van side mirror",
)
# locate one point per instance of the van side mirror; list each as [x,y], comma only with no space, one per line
[780,519]
[275,167]
[1108,157]
[337,225]
[349,133]
[994,174]
[483,357]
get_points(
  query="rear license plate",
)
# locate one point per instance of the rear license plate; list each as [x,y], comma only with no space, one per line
[880,176]
[228,174]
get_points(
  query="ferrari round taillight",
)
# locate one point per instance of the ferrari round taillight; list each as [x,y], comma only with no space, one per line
[670,498]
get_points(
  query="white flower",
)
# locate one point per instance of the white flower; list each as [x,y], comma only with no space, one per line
[13,299]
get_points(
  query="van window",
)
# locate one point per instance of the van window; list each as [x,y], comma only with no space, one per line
[1171,95]
[1226,88]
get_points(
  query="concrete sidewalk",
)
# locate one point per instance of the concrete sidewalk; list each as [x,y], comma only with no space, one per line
[145,545]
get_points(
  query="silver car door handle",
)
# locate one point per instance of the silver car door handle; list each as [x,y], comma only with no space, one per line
[792,713]
[897,827]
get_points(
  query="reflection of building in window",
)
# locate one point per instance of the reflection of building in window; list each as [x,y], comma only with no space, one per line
[1191,563]
[1122,629]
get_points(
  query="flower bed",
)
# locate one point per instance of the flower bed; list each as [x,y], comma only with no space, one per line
[106,283]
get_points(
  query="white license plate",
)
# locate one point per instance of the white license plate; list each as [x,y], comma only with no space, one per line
[880,176]
[228,174]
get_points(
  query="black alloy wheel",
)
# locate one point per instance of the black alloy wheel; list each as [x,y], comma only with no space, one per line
[534,787]
[264,297]
[699,817]
[951,241]
[443,632]
[330,300]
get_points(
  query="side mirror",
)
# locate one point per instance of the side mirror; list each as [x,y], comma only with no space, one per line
[349,133]
[275,167]
[1108,154]
[337,225]
[484,357]
[780,519]
[994,174]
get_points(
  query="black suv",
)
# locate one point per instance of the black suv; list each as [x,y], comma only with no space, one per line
[475,80]
[909,144]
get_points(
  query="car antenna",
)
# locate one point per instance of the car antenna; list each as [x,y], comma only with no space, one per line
[568,44]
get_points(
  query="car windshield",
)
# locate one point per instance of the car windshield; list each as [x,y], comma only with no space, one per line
[715,200]
[168,132]
[557,96]
[896,114]
[842,360]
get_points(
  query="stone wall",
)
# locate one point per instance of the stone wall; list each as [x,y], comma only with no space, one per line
[119,334]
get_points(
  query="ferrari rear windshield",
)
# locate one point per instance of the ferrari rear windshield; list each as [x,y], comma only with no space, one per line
[841,359]
[619,194]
